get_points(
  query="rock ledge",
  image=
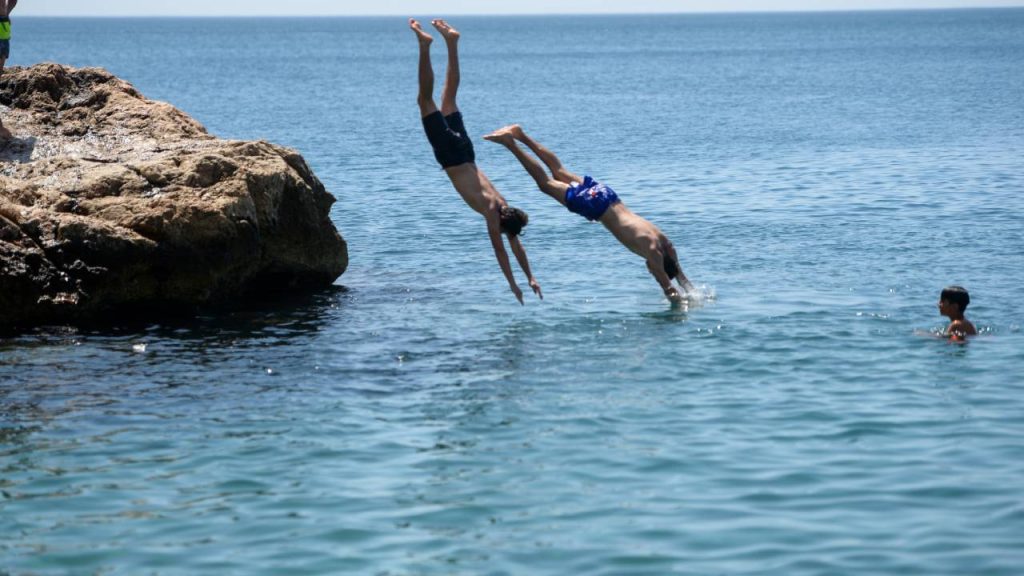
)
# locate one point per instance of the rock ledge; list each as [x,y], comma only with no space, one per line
[112,205]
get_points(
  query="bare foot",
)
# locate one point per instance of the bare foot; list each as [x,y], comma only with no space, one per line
[502,136]
[450,34]
[423,37]
[515,130]
[5,134]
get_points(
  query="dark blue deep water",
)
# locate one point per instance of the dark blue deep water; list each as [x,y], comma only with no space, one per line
[824,176]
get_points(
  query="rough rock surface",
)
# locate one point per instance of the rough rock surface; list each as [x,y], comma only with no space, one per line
[112,205]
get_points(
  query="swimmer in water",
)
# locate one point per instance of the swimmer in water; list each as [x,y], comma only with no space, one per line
[454,152]
[596,201]
[952,304]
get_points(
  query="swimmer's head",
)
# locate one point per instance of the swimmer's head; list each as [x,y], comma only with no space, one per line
[954,299]
[670,266]
[513,220]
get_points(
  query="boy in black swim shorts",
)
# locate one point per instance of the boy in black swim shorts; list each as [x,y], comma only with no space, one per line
[454,152]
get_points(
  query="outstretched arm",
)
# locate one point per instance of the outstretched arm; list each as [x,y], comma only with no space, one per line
[494,231]
[524,263]
[684,282]
[656,266]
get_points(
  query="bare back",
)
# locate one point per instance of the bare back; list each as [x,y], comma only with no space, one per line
[633,231]
[475,188]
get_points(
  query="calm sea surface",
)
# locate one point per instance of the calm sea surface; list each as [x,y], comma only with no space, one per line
[824,176]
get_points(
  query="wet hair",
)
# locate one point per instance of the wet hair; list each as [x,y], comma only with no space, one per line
[670,266]
[957,295]
[513,220]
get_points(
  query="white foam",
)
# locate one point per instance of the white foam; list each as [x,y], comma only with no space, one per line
[699,295]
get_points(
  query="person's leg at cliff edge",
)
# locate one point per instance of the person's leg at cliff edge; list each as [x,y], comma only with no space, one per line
[6,6]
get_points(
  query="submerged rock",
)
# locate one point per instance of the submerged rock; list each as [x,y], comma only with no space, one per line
[112,205]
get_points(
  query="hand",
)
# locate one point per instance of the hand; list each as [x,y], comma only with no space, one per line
[518,293]
[673,295]
[536,288]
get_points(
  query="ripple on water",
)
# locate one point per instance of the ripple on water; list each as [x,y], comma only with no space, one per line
[418,421]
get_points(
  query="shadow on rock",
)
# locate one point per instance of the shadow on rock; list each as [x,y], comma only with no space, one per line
[17,150]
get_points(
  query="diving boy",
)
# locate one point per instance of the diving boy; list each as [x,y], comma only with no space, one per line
[952,304]
[6,6]
[454,152]
[596,201]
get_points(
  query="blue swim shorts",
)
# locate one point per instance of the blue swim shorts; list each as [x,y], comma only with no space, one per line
[590,198]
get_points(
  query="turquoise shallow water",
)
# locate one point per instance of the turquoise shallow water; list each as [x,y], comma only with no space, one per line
[824,177]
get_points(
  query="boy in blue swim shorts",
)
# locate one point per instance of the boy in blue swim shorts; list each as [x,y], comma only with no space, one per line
[596,201]
[454,152]
[5,47]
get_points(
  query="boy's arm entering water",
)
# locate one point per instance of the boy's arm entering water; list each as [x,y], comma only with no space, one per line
[524,263]
[656,266]
[494,231]
[684,282]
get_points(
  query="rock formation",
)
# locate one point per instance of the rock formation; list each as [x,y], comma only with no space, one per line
[113,205]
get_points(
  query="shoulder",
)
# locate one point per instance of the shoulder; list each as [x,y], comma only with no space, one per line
[960,328]
[492,213]
[494,206]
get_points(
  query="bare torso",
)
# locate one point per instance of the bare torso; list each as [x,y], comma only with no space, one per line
[633,231]
[475,188]
[960,329]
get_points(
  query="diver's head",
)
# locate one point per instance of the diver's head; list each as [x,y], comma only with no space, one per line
[513,220]
[670,266]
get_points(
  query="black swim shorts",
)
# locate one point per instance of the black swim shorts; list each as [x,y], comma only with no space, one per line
[447,134]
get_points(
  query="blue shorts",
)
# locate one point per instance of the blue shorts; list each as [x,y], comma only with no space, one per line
[5,49]
[590,199]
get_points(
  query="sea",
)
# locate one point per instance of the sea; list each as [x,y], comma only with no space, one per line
[823,176]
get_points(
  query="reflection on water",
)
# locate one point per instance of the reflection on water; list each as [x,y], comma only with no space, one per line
[422,422]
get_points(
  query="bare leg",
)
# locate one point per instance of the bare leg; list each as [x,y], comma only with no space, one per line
[452,77]
[425,98]
[546,156]
[554,188]
[5,134]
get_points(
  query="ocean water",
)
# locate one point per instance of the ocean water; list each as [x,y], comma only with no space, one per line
[824,176]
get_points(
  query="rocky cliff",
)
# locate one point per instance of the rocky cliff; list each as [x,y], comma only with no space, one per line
[115,205]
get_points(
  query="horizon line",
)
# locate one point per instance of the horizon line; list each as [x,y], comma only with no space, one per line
[578,14]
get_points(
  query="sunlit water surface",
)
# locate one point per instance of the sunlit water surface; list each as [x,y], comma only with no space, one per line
[824,176]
